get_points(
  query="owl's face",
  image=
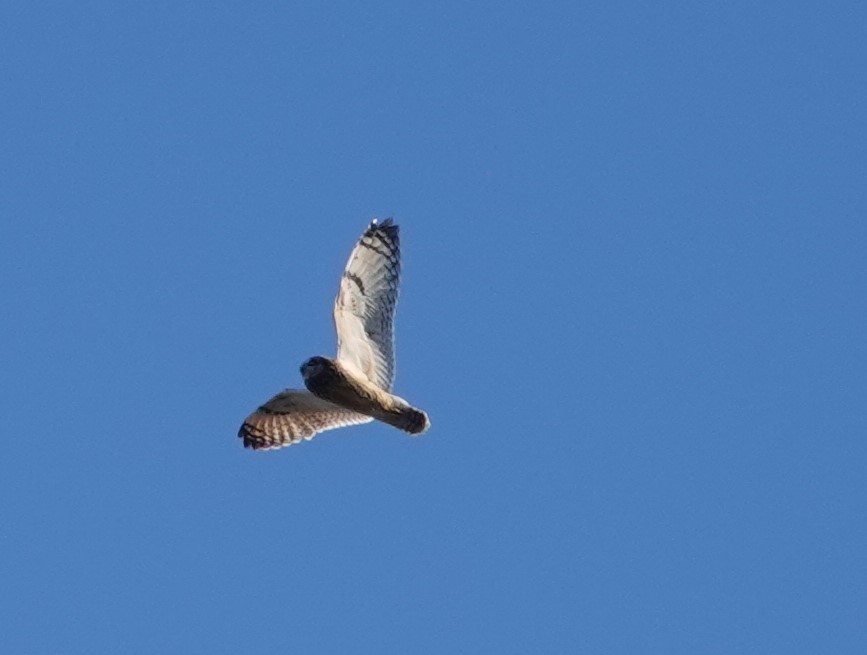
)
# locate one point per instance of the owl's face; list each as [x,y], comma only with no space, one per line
[313,367]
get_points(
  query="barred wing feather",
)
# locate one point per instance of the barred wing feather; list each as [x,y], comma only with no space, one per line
[364,307]
[291,416]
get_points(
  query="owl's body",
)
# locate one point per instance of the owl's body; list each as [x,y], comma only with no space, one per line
[355,387]
[330,380]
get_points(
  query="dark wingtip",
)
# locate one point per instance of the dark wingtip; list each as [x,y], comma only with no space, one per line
[388,225]
[246,434]
[253,438]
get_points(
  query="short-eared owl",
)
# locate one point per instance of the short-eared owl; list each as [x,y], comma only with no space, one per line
[355,386]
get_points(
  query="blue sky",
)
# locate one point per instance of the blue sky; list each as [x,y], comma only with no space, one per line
[633,305]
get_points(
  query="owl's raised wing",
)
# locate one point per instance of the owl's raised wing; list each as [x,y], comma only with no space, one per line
[291,416]
[364,308]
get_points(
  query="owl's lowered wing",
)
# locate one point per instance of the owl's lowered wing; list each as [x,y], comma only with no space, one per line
[364,307]
[291,416]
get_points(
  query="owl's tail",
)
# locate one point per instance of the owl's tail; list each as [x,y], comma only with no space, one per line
[408,418]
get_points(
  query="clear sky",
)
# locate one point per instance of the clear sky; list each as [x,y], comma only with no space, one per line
[634,306]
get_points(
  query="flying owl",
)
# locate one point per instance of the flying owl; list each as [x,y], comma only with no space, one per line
[354,387]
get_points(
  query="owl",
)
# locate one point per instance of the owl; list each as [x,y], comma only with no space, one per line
[355,386]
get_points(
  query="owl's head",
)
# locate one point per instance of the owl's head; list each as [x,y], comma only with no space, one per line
[313,367]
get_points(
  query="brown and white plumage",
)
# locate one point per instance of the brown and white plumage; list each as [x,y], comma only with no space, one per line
[355,386]
[294,415]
